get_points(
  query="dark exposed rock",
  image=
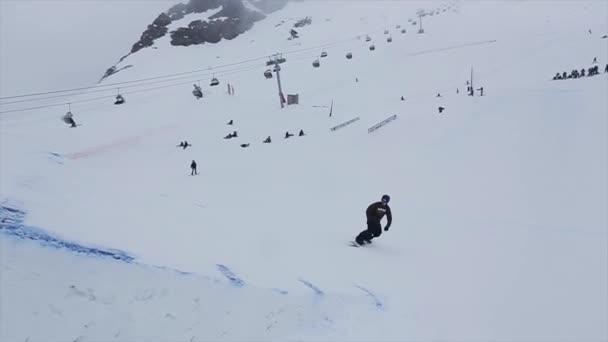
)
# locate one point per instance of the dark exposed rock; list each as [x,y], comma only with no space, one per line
[154,31]
[233,19]
[303,22]
[269,6]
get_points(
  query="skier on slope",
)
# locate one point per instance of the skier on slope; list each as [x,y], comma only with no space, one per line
[375,212]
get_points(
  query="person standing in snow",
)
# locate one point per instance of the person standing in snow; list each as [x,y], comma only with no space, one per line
[193,167]
[375,212]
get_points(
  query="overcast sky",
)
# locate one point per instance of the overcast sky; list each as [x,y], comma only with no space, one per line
[56,44]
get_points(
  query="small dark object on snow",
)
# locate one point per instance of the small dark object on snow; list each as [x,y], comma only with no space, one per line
[268,140]
[231,122]
[301,134]
[441,109]
[69,119]
[244,145]
[193,167]
[288,135]
[197,92]
[119,100]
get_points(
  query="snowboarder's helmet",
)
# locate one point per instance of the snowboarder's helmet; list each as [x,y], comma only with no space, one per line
[386,199]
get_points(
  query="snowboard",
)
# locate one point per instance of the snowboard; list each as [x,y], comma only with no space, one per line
[354,244]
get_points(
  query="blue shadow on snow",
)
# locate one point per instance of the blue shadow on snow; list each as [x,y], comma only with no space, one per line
[11,223]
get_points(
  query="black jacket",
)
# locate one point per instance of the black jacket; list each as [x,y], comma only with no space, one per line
[376,211]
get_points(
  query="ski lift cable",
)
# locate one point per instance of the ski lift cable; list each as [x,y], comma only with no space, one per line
[165,76]
[113,85]
[113,96]
[192,77]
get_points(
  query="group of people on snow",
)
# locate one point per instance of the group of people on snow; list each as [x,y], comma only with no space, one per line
[591,71]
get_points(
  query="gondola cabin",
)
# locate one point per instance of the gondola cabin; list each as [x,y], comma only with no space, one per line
[268,74]
[214,82]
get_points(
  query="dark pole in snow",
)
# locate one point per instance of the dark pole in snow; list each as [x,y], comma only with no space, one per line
[472,88]
[276,60]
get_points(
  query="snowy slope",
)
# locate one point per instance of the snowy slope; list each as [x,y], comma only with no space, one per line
[499,203]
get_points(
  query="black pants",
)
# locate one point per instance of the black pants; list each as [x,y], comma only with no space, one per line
[374,229]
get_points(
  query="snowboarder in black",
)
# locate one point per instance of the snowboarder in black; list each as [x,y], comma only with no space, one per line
[375,212]
[231,122]
[301,134]
[268,140]
[186,144]
[288,135]
[193,167]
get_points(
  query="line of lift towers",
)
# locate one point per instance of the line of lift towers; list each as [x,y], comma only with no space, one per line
[274,62]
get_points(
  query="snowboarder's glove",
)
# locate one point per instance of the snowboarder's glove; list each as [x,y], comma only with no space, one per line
[386,229]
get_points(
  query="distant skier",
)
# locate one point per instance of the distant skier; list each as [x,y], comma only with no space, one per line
[245,145]
[594,60]
[288,135]
[375,212]
[186,144]
[231,122]
[268,140]
[193,167]
[606,69]
[480,91]
[301,134]
[441,109]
